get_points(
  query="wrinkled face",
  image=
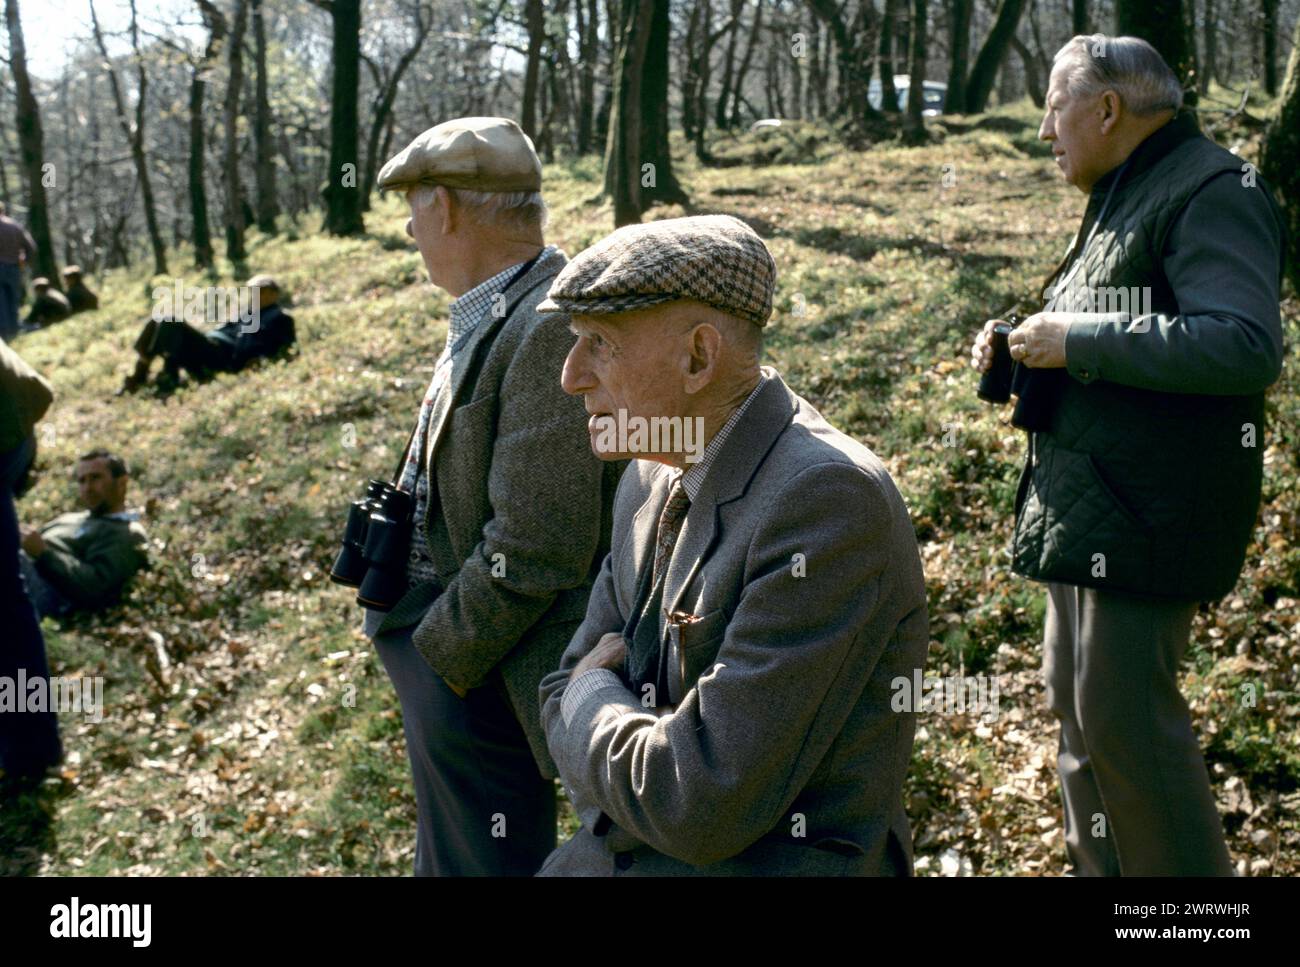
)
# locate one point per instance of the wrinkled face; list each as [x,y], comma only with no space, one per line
[97,490]
[1073,126]
[629,362]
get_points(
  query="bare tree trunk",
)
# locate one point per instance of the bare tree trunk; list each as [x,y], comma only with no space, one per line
[664,187]
[342,193]
[267,208]
[728,66]
[31,144]
[959,46]
[1268,14]
[991,55]
[135,137]
[535,20]
[888,92]
[739,88]
[914,123]
[1278,158]
[816,74]
[235,250]
[622,165]
[1033,83]
[796,73]
[1210,41]
[853,47]
[588,51]
[1079,23]
[382,111]
[201,232]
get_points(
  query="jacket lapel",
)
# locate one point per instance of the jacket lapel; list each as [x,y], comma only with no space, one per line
[467,350]
[734,466]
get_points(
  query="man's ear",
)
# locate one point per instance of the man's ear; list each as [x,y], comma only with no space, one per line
[449,214]
[704,350]
[1109,109]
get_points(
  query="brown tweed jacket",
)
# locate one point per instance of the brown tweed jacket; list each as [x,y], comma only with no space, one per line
[798,566]
[519,510]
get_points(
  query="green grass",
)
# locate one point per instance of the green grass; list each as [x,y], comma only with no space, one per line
[272,743]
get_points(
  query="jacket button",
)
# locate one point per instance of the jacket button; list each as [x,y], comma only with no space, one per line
[624,861]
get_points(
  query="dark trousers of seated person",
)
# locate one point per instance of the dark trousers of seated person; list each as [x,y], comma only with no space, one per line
[482,807]
[182,347]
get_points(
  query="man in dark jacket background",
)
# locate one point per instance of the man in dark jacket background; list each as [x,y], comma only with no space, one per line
[227,349]
[1142,388]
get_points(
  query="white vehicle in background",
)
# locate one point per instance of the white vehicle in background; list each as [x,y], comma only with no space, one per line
[932,92]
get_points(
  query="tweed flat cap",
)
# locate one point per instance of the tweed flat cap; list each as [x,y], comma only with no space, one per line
[478,154]
[714,259]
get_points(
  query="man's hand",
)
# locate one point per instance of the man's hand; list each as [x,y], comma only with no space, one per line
[981,354]
[610,652]
[32,541]
[1039,341]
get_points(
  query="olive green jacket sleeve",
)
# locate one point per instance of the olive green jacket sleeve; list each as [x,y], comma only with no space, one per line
[89,563]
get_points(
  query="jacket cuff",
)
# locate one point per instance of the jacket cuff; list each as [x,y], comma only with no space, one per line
[584,686]
[1082,356]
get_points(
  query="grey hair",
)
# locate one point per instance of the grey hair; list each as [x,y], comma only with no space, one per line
[1129,66]
[515,209]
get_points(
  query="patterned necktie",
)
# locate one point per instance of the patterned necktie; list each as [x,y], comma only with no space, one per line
[670,525]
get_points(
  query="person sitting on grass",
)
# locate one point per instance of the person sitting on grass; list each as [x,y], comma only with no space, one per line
[80,297]
[226,349]
[48,305]
[82,560]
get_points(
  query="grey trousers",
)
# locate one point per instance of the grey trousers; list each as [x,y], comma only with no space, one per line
[482,806]
[1137,795]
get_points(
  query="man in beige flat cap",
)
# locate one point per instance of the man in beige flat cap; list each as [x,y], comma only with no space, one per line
[726,706]
[511,509]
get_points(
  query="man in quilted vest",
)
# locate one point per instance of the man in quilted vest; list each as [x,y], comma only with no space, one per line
[1141,386]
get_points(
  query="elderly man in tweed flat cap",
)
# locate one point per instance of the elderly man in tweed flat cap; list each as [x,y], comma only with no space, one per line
[512,510]
[725,706]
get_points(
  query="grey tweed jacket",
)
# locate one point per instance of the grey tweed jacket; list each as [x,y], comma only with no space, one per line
[518,513]
[795,597]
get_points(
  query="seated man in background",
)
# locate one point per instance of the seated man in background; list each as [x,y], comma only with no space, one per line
[226,349]
[725,706]
[81,560]
[48,305]
[80,298]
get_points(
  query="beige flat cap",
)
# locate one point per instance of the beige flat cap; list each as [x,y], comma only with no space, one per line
[714,259]
[262,282]
[478,154]
[72,270]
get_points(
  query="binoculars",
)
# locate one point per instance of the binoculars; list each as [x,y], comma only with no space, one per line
[995,384]
[376,542]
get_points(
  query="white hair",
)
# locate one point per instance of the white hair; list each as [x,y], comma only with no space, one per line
[514,209]
[1129,66]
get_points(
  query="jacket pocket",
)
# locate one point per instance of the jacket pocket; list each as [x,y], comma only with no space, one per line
[692,645]
[1120,504]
